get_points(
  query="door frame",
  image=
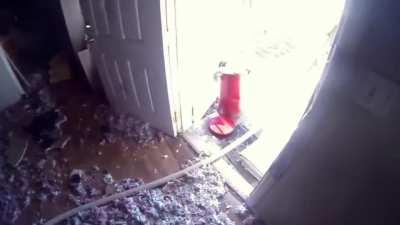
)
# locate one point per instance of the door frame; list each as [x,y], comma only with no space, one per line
[170,51]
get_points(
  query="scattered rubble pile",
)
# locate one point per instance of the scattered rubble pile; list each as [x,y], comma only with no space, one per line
[10,202]
[38,179]
[89,185]
[193,199]
[45,176]
[42,177]
[26,182]
[130,127]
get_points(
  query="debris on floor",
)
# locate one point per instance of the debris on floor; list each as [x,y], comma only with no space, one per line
[46,127]
[17,149]
[44,174]
[114,125]
[20,185]
[33,121]
[61,143]
[130,127]
[194,199]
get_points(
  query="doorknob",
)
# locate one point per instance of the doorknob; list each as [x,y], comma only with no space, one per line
[88,34]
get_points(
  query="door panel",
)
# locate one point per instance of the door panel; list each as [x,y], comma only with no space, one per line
[100,16]
[128,51]
[132,28]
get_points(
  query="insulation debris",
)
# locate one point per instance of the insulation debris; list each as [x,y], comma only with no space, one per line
[194,199]
[75,179]
[123,125]
[108,179]
[130,127]
[44,176]
[20,185]
[40,178]
[9,208]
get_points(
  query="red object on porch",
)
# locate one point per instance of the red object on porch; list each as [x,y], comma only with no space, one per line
[228,106]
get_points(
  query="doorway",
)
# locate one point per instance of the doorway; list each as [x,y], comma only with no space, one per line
[284,44]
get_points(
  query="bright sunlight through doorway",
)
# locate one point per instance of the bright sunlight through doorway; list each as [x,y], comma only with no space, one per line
[285,45]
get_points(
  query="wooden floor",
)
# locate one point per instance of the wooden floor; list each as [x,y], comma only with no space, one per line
[122,159]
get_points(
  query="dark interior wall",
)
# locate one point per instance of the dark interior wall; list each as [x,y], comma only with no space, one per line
[345,166]
[372,35]
[41,26]
[346,171]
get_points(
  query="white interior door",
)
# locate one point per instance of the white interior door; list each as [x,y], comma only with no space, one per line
[128,51]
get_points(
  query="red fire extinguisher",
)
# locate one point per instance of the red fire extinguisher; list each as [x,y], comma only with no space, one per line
[228,106]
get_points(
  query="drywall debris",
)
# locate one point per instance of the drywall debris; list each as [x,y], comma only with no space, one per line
[130,127]
[194,199]
[9,207]
[108,179]
[61,143]
[40,221]
[23,181]
[102,142]
[241,211]
[65,142]
[62,118]
[245,216]
[95,168]
[123,125]
[75,182]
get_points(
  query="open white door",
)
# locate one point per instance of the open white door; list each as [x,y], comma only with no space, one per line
[130,56]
